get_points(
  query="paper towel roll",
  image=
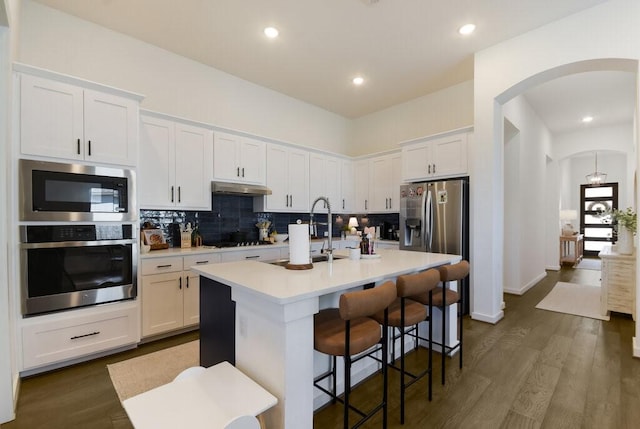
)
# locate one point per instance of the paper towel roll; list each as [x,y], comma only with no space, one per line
[298,244]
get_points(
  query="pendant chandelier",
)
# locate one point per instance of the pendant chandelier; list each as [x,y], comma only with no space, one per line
[596,178]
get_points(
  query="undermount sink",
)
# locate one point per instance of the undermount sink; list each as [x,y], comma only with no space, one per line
[314,259]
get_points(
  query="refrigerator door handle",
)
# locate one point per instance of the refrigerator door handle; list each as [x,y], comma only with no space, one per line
[428,224]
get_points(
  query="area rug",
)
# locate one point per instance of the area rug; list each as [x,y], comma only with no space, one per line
[137,375]
[572,298]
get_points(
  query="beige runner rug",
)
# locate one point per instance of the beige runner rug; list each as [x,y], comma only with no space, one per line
[572,298]
[137,375]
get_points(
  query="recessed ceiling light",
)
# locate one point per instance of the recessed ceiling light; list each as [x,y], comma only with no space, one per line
[271,32]
[587,119]
[467,29]
[358,80]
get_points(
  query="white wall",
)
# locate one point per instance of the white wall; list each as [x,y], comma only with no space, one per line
[525,196]
[8,366]
[172,84]
[580,42]
[441,111]
[607,141]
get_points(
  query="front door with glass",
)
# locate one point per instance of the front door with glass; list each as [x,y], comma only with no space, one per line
[593,201]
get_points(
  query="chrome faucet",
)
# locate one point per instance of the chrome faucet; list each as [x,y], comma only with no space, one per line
[326,200]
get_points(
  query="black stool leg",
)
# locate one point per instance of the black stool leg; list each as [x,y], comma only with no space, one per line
[430,342]
[333,377]
[402,315]
[444,329]
[460,325]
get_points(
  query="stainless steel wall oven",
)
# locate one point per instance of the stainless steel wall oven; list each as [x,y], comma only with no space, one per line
[69,266]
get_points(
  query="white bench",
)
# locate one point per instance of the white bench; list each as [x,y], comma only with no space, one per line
[218,397]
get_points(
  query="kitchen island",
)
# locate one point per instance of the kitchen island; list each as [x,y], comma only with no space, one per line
[260,316]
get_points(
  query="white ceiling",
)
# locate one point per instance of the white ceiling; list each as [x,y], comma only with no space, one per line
[403,48]
[608,96]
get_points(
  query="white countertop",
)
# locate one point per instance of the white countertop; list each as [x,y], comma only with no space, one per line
[283,286]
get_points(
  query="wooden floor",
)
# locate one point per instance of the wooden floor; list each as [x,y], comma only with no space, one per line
[533,369]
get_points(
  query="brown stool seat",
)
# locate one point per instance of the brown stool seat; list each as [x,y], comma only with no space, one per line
[328,333]
[414,312]
[451,297]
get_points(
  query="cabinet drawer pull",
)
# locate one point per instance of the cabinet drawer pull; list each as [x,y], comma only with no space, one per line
[85,335]
[172,194]
[201,262]
[434,169]
[180,282]
[343,204]
[429,169]
[164,266]
[78,146]
[89,147]
[252,257]
[242,171]
[238,172]
[187,282]
[179,194]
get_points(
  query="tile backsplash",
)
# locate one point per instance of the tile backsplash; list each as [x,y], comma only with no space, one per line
[230,213]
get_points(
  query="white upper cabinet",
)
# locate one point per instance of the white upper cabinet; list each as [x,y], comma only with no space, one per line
[347,187]
[435,158]
[62,120]
[324,180]
[288,179]
[239,159]
[361,181]
[176,165]
[385,178]
[377,184]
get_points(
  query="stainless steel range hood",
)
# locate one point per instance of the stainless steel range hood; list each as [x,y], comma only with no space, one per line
[239,189]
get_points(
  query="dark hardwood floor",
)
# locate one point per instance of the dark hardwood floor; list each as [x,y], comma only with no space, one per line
[533,369]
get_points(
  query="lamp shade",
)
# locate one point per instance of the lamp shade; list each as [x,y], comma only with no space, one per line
[353,222]
[568,214]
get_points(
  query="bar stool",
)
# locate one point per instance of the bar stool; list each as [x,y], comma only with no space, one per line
[405,312]
[444,297]
[348,331]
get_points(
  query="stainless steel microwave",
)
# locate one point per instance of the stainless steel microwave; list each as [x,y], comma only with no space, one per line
[51,191]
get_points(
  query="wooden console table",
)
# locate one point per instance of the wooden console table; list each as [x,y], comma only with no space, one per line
[618,282]
[571,249]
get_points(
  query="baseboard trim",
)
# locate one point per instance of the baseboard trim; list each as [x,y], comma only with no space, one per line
[493,319]
[526,287]
[553,267]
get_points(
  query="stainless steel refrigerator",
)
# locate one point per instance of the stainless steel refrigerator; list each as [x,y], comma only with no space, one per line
[434,217]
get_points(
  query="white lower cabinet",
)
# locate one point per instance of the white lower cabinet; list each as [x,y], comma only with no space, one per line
[51,339]
[171,292]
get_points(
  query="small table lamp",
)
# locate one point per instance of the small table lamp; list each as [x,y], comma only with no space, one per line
[566,216]
[353,224]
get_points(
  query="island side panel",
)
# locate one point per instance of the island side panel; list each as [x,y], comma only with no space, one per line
[217,323]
